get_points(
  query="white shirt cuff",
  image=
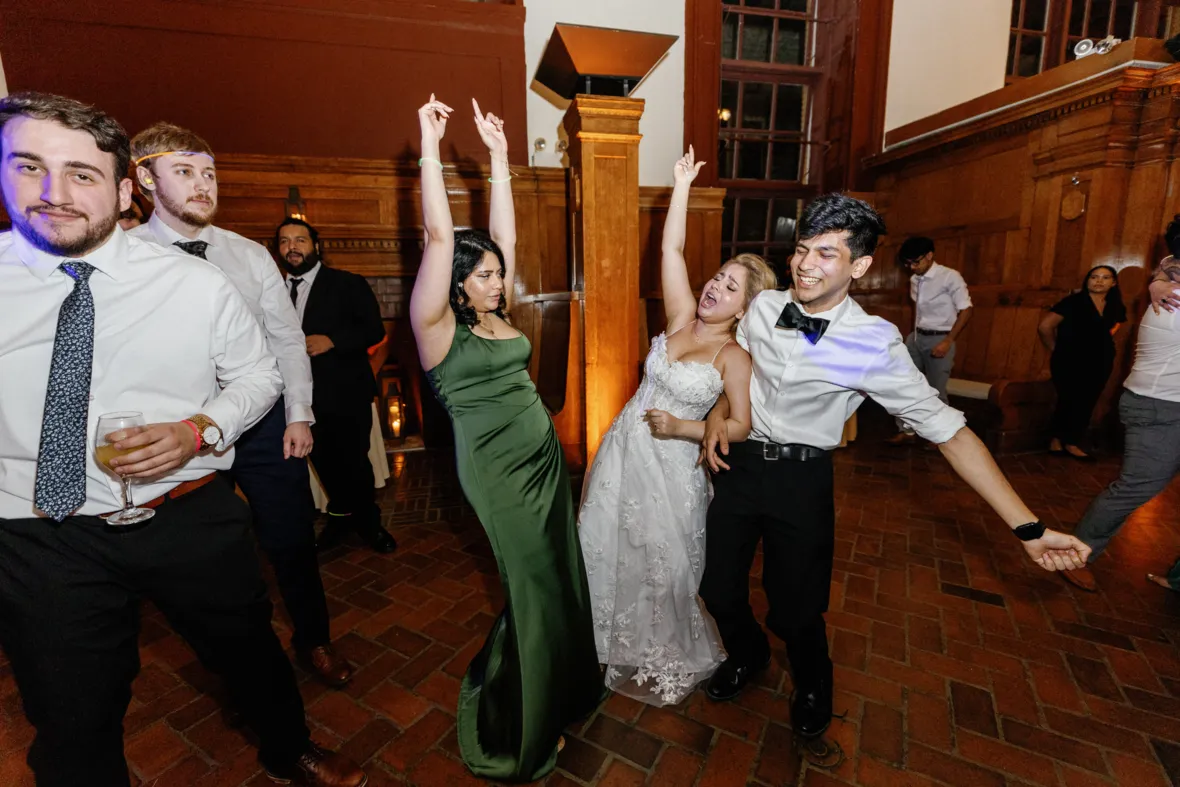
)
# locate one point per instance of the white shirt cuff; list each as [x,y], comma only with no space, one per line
[300,412]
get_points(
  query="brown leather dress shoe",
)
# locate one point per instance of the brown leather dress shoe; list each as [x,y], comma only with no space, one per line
[321,768]
[1082,578]
[328,665]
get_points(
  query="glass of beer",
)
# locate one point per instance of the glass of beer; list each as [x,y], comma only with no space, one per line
[105,451]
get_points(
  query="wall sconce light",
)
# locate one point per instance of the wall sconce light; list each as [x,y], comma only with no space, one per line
[724,114]
[294,205]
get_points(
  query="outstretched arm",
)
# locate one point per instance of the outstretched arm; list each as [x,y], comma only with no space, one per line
[679,303]
[502,220]
[430,307]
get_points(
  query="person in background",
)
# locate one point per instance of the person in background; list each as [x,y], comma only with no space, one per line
[97,322]
[1079,332]
[176,169]
[942,307]
[341,320]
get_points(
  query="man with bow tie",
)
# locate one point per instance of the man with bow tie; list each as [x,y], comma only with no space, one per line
[176,170]
[816,355]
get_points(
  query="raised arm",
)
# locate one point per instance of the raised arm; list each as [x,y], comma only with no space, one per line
[679,303]
[502,221]
[430,303]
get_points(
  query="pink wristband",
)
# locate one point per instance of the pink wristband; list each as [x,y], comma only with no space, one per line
[196,433]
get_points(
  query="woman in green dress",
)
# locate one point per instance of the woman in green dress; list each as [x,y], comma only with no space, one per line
[538,669]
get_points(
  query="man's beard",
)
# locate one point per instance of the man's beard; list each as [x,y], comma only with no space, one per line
[95,235]
[299,268]
[187,215]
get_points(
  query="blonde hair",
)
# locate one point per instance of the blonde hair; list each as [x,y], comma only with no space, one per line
[161,138]
[759,275]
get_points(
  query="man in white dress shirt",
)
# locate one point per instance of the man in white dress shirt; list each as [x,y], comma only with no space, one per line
[96,322]
[1150,411]
[816,355]
[176,170]
[942,307]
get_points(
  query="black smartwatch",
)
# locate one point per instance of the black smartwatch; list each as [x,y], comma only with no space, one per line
[1030,532]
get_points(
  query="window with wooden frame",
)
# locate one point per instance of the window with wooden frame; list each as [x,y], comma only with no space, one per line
[770,110]
[1044,32]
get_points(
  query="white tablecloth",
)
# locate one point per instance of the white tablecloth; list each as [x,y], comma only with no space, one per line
[377,458]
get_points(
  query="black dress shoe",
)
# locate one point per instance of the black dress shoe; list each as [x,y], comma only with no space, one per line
[731,677]
[379,540]
[811,711]
[333,533]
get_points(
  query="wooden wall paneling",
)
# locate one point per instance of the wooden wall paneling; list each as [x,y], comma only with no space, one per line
[702,82]
[305,77]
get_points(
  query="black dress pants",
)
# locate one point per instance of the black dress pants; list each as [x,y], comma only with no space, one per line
[279,491]
[69,622]
[341,458]
[1079,385]
[789,506]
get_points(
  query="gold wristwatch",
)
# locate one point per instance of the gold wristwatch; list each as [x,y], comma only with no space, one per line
[210,433]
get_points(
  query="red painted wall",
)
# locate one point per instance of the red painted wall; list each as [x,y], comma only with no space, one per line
[307,77]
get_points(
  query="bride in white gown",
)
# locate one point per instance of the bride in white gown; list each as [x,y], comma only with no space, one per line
[642,520]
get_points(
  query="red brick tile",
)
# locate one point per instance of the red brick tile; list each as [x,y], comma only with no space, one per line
[438,770]
[910,677]
[726,716]
[780,761]
[867,609]
[155,750]
[369,740]
[623,707]
[868,686]
[871,773]
[950,668]
[837,619]
[974,709]
[620,774]
[614,736]
[1014,697]
[729,763]
[415,742]
[1132,669]
[188,771]
[1074,777]
[673,727]
[402,707]
[988,659]
[340,713]
[1055,686]
[951,770]
[457,666]
[1088,729]
[676,768]
[928,720]
[1005,757]
[404,641]
[218,741]
[962,627]
[1063,748]
[821,779]
[1094,677]
[888,641]
[579,758]
[364,679]
[850,649]
[1134,771]
[441,689]
[1134,719]
[881,733]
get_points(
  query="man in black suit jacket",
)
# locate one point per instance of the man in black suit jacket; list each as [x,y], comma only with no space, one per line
[341,320]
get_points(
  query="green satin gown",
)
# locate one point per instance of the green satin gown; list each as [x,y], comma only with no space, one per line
[538,669]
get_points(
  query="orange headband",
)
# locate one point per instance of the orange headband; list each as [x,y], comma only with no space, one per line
[142,159]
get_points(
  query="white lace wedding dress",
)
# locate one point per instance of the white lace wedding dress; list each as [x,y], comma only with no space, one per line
[642,528]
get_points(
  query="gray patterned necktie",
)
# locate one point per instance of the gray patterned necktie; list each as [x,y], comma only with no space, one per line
[193,247]
[60,488]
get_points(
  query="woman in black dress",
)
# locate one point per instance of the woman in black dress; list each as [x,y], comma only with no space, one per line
[1079,332]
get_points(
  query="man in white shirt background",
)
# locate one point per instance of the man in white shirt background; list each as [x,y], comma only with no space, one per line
[942,307]
[1150,411]
[816,355]
[97,322]
[176,170]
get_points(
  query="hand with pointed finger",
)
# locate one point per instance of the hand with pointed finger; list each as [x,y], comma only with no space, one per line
[432,117]
[687,168]
[491,131]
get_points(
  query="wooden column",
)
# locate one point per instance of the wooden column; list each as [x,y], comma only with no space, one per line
[604,223]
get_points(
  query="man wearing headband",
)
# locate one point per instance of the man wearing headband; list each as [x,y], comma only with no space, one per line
[176,170]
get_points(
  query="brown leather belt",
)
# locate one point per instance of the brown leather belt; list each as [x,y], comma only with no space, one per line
[180,490]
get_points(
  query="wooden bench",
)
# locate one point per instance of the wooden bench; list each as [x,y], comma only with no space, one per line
[1010,416]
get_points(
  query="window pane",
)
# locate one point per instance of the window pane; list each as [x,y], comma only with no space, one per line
[752,219]
[1030,55]
[729,94]
[756,105]
[732,2]
[1015,13]
[784,218]
[788,113]
[1124,14]
[1099,18]
[725,158]
[752,159]
[727,221]
[756,33]
[729,27]
[794,5]
[785,165]
[1011,54]
[760,3]
[1077,18]
[792,42]
[1035,12]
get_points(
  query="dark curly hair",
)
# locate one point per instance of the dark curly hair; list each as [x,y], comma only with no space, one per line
[470,246]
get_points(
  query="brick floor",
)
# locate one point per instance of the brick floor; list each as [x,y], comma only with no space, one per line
[958,663]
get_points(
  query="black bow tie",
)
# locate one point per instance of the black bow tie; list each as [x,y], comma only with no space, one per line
[193,247]
[811,327]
